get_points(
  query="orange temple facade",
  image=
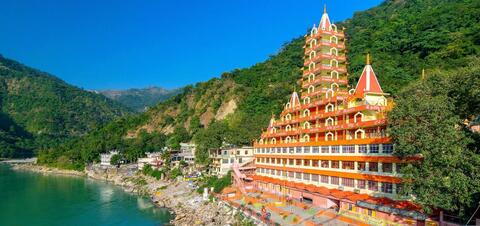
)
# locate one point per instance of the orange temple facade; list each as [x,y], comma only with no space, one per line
[329,146]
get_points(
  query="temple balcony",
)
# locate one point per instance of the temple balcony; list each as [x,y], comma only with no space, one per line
[365,140]
[339,69]
[321,44]
[324,56]
[316,81]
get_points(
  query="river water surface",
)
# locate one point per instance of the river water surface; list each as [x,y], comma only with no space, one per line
[28,198]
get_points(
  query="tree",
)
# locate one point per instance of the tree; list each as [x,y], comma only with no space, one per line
[115,159]
[426,123]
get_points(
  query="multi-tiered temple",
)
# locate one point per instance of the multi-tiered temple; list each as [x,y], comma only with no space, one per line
[330,146]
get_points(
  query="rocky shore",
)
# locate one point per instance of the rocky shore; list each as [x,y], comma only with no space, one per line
[185,203]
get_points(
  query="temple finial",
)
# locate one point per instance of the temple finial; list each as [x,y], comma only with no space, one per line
[324,8]
[368,58]
[423,73]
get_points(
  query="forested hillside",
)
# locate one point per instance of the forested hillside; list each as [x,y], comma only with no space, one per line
[38,110]
[401,35]
[140,99]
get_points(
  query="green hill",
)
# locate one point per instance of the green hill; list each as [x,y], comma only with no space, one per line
[140,99]
[38,110]
[401,36]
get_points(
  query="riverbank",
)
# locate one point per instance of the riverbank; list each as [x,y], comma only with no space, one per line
[185,203]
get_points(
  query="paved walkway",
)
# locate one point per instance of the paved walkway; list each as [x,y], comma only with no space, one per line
[294,213]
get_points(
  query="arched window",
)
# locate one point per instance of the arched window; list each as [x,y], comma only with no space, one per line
[334,86]
[329,121]
[329,93]
[330,107]
[261,141]
[311,89]
[288,117]
[334,39]
[333,27]
[306,100]
[351,91]
[334,51]
[306,113]
[313,31]
[358,117]
[288,139]
[312,55]
[313,43]
[311,77]
[360,134]
[306,125]
[329,136]
[333,63]
[311,66]
[334,74]
[274,141]
[306,138]
[274,130]
[287,105]
[288,128]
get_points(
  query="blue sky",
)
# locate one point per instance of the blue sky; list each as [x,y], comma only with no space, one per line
[116,44]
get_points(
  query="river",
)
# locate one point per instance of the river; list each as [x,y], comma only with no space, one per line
[28,198]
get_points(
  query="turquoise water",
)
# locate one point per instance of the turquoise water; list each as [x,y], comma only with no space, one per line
[28,198]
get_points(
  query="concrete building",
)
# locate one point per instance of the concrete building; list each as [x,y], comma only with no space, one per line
[153,159]
[223,159]
[186,153]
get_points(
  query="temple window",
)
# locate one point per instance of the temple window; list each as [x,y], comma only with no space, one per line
[324,179]
[372,185]
[387,167]
[358,117]
[387,187]
[334,74]
[306,100]
[311,89]
[329,107]
[373,166]
[335,165]
[348,165]
[335,180]
[334,51]
[348,149]
[374,148]
[387,148]
[348,182]
[325,149]
[313,43]
[312,55]
[361,184]
[334,39]
[333,63]
[335,149]
[311,66]
[362,148]
[361,166]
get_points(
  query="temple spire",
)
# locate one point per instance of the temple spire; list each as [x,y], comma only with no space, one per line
[324,8]
[368,58]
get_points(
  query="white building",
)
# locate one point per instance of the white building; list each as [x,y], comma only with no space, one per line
[106,157]
[223,159]
[186,153]
[153,159]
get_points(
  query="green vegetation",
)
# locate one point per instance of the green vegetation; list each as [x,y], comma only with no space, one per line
[38,110]
[406,36]
[140,99]
[218,184]
[428,122]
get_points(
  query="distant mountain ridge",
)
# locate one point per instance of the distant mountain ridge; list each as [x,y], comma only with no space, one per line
[139,99]
[38,110]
